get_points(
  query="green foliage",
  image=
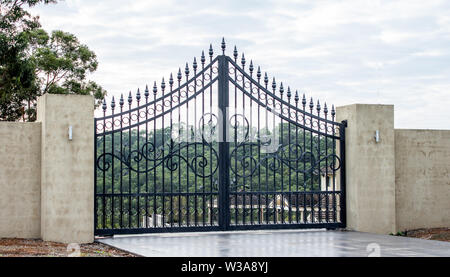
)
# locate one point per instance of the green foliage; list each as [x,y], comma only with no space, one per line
[33,62]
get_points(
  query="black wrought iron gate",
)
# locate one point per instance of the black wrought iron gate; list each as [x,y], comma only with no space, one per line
[221,149]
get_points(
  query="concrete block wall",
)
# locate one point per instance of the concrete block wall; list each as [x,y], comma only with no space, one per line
[47,180]
[20,180]
[400,183]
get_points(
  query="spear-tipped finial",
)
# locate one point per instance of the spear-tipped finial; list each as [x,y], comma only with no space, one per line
[171,80]
[138,95]
[203,59]
[113,103]
[243,60]
[289,94]
[130,98]
[235,53]
[251,66]
[296,96]
[223,46]
[179,76]
[325,108]
[121,101]
[304,100]
[194,65]
[163,85]
[318,106]
[274,84]
[333,111]
[266,78]
[146,93]
[281,88]
[258,72]
[186,70]
[211,52]
[311,104]
[155,88]
[104,105]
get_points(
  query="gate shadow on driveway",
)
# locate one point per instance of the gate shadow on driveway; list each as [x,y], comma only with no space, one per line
[286,243]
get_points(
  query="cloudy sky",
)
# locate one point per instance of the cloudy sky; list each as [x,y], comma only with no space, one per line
[341,52]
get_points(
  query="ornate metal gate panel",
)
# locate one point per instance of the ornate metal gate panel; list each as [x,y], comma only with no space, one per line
[221,149]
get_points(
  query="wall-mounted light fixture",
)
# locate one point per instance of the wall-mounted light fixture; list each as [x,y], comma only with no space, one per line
[377,136]
[70,132]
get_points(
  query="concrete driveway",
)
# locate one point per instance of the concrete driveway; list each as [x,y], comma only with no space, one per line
[286,243]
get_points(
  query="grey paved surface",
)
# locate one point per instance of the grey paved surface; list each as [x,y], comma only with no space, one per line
[291,243]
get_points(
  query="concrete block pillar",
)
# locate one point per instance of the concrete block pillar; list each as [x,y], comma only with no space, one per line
[67,168]
[370,167]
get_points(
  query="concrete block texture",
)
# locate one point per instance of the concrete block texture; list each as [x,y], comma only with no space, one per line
[370,167]
[422,166]
[20,180]
[67,174]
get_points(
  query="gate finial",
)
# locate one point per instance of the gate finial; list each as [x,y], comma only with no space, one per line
[304,101]
[281,89]
[274,84]
[325,109]
[289,93]
[266,79]
[318,107]
[155,88]
[186,70]
[211,52]
[104,105]
[146,93]
[138,95]
[203,59]
[311,104]
[194,65]
[223,46]
[251,67]
[296,96]
[258,73]
[171,80]
[235,53]
[130,98]
[113,103]
[243,60]
[121,101]
[333,111]
[179,76]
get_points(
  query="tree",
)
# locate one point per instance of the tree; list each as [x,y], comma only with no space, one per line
[33,63]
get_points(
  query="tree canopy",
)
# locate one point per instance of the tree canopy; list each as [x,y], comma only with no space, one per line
[34,62]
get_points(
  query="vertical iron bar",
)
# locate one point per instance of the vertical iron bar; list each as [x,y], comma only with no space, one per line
[195,148]
[104,172]
[138,182]
[154,159]
[112,169]
[319,166]
[171,151]
[326,166]
[95,176]
[188,209]
[282,150]
[121,164]
[129,167]
[163,131]
[305,217]
[211,178]
[224,147]
[342,198]
[146,153]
